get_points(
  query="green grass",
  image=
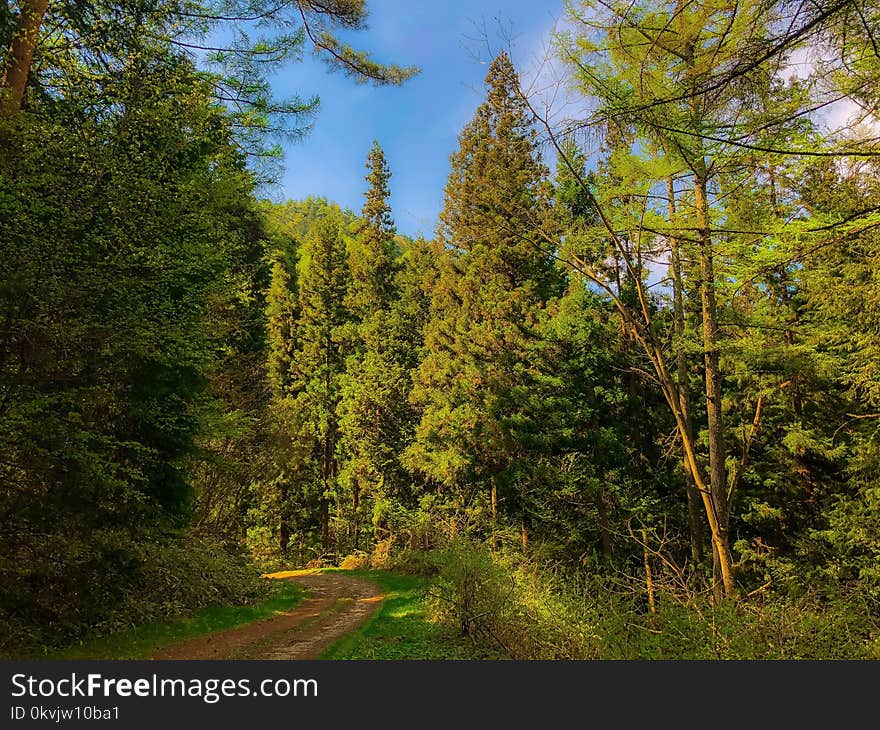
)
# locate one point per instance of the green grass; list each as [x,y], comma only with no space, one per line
[143,641]
[401,628]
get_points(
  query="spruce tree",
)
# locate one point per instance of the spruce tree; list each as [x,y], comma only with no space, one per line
[374,411]
[372,252]
[323,345]
[487,301]
[280,325]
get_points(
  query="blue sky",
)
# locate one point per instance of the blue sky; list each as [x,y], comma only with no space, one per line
[417,124]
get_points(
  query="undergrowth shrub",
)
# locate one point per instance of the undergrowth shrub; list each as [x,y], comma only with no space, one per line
[776,628]
[495,602]
[117,584]
[527,612]
[262,544]
[381,557]
[418,563]
[355,561]
[178,577]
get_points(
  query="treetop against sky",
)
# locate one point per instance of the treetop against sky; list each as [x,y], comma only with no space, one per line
[417,123]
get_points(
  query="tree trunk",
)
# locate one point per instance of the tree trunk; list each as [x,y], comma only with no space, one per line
[717,470]
[720,545]
[21,55]
[325,485]
[325,524]
[603,522]
[640,326]
[649,577]
[695,523]
[355,519]
[494,514]
[284,529]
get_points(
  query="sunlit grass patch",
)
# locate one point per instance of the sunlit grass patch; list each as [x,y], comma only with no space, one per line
[401,628]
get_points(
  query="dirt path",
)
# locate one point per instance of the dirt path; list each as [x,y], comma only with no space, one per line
[336,606]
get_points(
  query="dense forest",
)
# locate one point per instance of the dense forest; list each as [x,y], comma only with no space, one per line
[624,402]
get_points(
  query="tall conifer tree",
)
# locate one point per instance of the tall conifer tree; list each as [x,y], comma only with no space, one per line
[281,312]
[487,302]
[323,346]
[375,412]
[372,252]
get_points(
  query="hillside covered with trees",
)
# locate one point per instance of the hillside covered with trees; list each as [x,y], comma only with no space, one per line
[623,403]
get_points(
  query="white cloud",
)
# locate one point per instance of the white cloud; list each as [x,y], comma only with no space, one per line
[841,117]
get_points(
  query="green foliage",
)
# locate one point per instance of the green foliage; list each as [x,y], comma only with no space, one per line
[847,550]
[133,580]
[416,562]
[488,298]
[777,629]
[402,627]
[372,252]
[105,39]
[507,607]
[518,610]
[309,339]
[114,324]
[375,416]
[186,373]
[281,315]
[144,640]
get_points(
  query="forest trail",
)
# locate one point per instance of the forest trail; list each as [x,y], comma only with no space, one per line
[336,606]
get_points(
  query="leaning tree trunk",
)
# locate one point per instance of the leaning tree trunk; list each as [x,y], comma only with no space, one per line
[722,558]
[695,523]
[639,325]
[720,544]
[21,56]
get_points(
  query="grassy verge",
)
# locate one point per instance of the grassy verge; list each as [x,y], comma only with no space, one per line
[142,641]
[401,628]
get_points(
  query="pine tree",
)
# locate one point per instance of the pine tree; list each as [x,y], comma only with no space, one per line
[239,74]
[487,301]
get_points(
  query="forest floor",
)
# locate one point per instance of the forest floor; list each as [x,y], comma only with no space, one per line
[327,614]
[336,606]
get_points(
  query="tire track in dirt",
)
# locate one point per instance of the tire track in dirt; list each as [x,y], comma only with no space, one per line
[336,606]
